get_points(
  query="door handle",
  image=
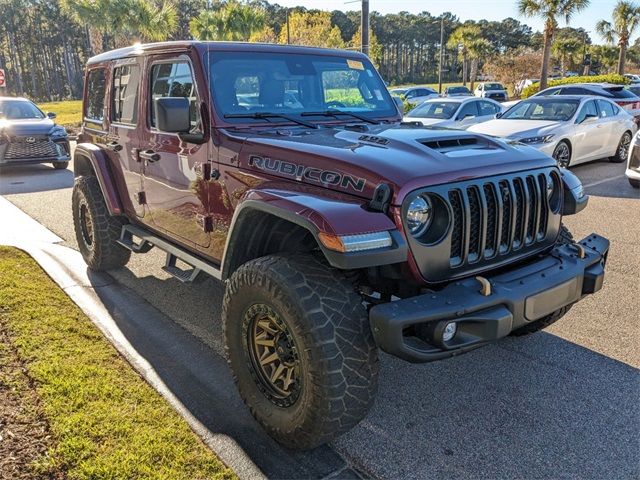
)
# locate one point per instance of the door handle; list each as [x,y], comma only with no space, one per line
[149,156]
[114,146]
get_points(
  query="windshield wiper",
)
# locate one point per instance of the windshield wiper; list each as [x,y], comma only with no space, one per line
[268,115]
[335,113]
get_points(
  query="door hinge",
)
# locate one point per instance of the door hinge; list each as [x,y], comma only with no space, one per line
[205,222]
[206,172]
[142,198]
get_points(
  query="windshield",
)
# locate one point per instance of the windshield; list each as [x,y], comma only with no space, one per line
[458,90]
[493,86]
[19,109]
[620,92]
[556,109]
[247,85]
[441,110]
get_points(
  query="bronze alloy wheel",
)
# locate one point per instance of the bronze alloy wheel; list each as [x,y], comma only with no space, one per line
[86,224]
[273,355]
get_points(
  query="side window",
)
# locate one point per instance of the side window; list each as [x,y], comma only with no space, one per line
[470,108]
[411,93]
[606,109]
[94,102]
[572,91]
[124,107]
[487,108]
[173,80]
[588,108]
[549,91]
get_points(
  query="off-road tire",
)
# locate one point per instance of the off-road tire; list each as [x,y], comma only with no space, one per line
[623,148]
[60,165]
[102,252]
[634,183]
[338,357]
[565,236]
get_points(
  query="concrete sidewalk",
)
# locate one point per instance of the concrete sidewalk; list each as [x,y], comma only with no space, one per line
[192,377]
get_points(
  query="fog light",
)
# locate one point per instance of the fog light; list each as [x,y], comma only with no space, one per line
[449,331]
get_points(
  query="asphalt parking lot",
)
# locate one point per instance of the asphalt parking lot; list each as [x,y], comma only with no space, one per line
[559,404]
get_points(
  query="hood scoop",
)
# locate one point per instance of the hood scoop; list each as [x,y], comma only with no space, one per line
[449,144]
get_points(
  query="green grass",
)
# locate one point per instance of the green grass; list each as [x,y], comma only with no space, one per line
[69,112]
[106,421]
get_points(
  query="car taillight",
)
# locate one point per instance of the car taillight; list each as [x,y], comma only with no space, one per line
[629,105]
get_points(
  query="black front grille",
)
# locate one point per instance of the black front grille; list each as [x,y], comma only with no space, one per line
[31,147]
[518,217]
[491,221]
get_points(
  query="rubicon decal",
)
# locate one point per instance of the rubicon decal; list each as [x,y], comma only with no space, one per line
[299,172]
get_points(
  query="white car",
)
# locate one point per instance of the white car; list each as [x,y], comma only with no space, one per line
[415,95]
[454,112]
[633,77]
[522,84]
[572,129]
[633,163]
[492,90]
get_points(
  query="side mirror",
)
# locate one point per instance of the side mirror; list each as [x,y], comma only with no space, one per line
[172,114]
[589,118]
[399,104]
[498,115]
[51,115]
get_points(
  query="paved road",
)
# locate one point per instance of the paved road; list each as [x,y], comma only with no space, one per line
[562,403]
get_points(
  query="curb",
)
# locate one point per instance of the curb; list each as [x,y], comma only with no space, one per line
[192,377]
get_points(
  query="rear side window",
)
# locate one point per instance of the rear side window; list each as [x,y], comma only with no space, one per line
[606,109]
[126,80]
[575,91]
[173,80]
[94,104]
[620,93]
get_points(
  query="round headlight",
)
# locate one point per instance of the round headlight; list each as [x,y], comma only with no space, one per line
[419,215]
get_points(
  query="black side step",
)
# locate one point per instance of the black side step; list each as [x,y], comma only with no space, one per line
[149,240]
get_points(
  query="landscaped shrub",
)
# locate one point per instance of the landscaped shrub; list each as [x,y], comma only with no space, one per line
[612,78]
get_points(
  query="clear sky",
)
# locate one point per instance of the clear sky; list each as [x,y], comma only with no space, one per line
[465,10]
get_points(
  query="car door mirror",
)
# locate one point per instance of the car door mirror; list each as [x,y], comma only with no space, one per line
[51,115]
[399,104]
[589,118]
[172,114]
[498,115]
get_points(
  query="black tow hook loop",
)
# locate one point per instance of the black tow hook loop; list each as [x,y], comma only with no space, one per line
[381,197]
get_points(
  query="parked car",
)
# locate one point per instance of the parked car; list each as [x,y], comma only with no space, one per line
[458,91]
[633,162]
[454,112]
[415,95]
[572,129]
[522,84]
[336,229]
[633,77]
[28,135]
[492,90]
[617,93]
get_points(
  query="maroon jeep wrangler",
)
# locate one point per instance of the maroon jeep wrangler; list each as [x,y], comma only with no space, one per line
[287,173]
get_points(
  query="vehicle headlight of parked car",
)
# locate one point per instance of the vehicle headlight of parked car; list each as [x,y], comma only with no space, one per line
[537,139]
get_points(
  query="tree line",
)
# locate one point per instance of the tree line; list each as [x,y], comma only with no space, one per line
[44,44]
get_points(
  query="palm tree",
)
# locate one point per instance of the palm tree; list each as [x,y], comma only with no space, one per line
[626,17]
[549,11]
[461,39]
[234,21]
[477,50]
[567,50]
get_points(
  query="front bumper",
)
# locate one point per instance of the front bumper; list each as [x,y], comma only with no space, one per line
[411,328]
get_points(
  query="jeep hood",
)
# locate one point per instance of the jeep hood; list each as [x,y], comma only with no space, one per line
[356,160]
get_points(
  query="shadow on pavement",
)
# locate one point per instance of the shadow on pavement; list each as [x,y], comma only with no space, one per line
[33,178]
[605,179]
[537,406]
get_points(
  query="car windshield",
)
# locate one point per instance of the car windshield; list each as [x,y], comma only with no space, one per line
[458,90]
[19,109]
[247,86]
[441,110]
[557,109]
[493,86]
[621,92]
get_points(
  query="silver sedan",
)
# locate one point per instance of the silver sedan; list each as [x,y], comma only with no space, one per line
[572,129]
[454,112]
